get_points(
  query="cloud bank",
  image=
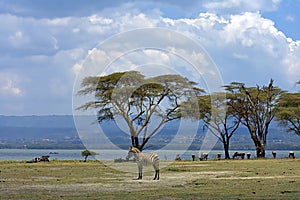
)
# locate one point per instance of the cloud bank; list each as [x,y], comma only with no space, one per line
[42,52]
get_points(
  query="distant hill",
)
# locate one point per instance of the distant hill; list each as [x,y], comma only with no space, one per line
[36,127]
[51,121]
[59,131]
[38,132]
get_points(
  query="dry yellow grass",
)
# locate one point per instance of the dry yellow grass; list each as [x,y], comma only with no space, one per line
[225,179]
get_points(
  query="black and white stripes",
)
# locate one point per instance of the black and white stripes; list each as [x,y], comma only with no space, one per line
[143,159]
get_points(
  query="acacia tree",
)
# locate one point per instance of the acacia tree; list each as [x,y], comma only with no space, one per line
[223,121]
[86,153]
[257,107]
[137,99]
[289,112]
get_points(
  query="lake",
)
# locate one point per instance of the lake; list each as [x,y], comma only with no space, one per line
[58,154]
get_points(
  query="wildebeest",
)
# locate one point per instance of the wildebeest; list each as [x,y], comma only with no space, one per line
[238,154]
[204,156]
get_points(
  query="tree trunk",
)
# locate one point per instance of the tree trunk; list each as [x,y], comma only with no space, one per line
[85,158]
[144,143]
[226,150]
[132,141]
[135,142]
[260,151]
[260,147]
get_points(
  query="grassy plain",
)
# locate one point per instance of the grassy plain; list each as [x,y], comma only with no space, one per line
[224,179]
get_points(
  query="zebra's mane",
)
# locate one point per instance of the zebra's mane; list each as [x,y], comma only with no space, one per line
[134,149]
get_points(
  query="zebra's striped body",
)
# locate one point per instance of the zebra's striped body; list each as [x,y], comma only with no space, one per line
[143,159]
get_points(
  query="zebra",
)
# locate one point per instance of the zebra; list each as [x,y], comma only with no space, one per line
[143,159]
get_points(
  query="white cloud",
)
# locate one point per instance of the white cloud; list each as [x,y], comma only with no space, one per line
[291,62]
[293,45]
[95,19]
[222,4]
[132,21]
[77,67]
[59,87]
[290,18]
[240,56]
[9,85]
[249,29]
[19,39]
[27,35]
[239,6]
[157,56]
[246,46]
[65,21]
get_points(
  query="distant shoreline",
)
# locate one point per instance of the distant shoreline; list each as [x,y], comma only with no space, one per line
[75,154]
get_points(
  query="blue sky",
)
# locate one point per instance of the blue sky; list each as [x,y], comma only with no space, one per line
[43,43]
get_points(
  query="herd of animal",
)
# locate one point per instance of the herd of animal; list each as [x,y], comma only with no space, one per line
[144,159]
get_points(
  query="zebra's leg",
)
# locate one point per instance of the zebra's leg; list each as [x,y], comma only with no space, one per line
[157,171]
[156,177]
[140,172]
[156,168]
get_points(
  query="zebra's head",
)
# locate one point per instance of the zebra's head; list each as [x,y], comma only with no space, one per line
[132,152]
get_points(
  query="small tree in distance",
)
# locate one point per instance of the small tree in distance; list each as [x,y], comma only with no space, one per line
[87,153]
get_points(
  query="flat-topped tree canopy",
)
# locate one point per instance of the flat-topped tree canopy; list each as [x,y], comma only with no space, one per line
[289,112]
[257,107]
[137,99]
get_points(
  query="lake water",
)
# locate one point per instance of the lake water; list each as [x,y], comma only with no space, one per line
[56,154]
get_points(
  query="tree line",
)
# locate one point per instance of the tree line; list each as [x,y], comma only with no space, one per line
[138,99]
